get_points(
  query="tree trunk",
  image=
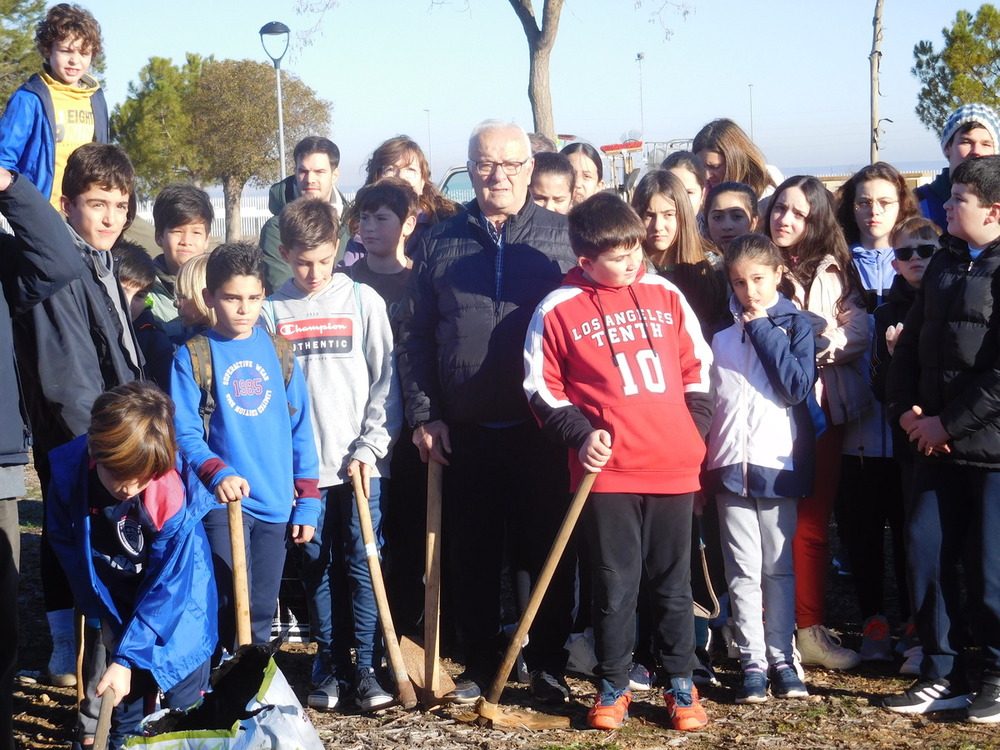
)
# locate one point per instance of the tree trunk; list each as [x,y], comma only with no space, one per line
[540,43]
[232,191]
[539,93]
[875,59]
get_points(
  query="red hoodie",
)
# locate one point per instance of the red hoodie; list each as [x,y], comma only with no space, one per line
[630,360]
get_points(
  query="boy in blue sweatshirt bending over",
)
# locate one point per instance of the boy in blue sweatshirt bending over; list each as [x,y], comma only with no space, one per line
[256,445]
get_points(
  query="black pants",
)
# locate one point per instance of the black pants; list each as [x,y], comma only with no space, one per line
[953,516]
[404,525]
[505,488]
[10,545]
[628,535]
[870,496]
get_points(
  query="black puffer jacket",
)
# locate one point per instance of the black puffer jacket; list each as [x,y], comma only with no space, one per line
[69,345]
[947,359]
[36,262]
[461,350]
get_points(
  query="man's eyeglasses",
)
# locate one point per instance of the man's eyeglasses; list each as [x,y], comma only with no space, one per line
[922,251]
[486,168]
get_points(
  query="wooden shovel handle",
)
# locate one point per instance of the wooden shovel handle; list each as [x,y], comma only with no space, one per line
[432,585]
[404,688]
[541,585]
[104,719]
[241,590]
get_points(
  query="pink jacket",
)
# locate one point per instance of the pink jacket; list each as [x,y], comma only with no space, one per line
[842,336]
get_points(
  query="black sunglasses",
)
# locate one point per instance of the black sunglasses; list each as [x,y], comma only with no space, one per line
[922,251]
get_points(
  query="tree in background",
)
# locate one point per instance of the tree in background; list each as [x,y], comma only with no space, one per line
[233,109]
[211,122]
[966,70]
[541,39]
[153,124]
[18,58]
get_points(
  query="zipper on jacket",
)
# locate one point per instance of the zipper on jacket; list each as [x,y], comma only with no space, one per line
[744,403]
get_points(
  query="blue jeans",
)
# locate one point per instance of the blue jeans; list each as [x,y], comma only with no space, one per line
[337,580]
[953,515]
[265,551]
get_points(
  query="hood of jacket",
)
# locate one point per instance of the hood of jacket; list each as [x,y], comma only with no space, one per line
[779,308]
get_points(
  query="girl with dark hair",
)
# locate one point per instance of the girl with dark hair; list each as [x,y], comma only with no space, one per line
[730,156]
[589,168]
[823,284]
[690,170]
[870,205]
[676,248]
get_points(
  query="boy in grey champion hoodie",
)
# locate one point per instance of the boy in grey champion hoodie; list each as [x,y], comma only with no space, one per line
[342,339]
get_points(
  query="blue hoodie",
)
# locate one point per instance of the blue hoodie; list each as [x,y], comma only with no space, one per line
[173,626]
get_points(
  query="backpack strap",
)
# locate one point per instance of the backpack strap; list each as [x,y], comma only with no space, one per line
[286,355]
[201,366]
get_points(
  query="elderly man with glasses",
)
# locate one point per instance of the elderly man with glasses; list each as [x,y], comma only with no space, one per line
[476,280]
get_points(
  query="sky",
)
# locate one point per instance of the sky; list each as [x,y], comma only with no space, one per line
[432,69]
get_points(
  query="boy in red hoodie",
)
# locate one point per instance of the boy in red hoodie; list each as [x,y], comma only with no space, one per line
[617,369]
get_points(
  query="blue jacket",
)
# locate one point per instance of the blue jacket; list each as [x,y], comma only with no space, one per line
[173,628]
[763,442]
[27,132]
[932,196]
[260,430]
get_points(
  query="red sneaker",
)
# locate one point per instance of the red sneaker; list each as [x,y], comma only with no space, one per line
[610,710]
[686,712]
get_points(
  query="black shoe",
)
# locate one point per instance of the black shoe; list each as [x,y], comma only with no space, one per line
[927,696]
[548,689]
[466,691]
[369,695]
[985,706]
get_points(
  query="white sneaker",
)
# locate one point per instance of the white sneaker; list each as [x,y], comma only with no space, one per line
[819,647]
[62,663]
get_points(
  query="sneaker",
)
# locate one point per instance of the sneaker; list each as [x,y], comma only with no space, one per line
[466,691]
[785,683]
[368,694]
[639,678]
[912,658]
[876,644]
[327,695]
[704,674]
[62,663]
[686,712]
[611,708]
[754,687]
[926,696]
[321,669]
[548,689]
[819,647]
[985,706]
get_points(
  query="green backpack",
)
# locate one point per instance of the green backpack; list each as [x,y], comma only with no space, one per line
[201,365]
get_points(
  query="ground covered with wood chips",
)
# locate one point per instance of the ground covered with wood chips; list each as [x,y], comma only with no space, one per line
[842,711]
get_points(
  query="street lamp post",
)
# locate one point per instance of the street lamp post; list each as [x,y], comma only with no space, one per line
[639,57]
[275,31]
